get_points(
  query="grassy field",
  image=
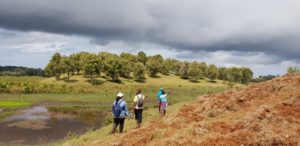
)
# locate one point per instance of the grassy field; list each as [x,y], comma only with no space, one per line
[14,103]
[78,95]
[79,84]
[79,89]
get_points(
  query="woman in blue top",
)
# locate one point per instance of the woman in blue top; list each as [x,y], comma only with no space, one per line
[163,103]
[158,97]
[120,112]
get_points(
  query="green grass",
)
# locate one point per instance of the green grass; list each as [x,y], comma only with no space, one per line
[5,114]
[161,80]
[14,103]
[80,84]
[18,79]
[178,94]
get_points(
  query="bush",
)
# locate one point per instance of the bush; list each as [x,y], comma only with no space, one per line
[109,119]
[4,87]
[230,85]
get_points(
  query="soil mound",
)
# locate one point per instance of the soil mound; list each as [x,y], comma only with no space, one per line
[261,114]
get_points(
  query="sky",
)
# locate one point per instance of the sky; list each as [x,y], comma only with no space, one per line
[261,34]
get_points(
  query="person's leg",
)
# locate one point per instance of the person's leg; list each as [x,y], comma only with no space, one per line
[122,120]
[140,117]
[115,125]
[136,117]
[165,109]
[159,107]
[161,112]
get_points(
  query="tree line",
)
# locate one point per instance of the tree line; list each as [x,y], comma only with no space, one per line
[20,71]
[264,78]
[293,70]
[128,65]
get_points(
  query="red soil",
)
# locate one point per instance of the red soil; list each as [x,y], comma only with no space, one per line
[261,114]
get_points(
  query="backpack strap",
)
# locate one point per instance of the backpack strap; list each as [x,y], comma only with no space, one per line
[121,101]
[141,97]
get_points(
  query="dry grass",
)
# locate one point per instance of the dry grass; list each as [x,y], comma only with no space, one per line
[261,114]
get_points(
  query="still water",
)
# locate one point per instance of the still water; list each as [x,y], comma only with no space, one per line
[38,126]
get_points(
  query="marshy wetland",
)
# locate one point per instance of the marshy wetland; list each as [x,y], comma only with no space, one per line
[42,124]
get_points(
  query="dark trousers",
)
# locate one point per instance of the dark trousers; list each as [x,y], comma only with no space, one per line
[138,115]
[117,122]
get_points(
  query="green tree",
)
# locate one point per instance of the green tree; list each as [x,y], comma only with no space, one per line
[153,66]
[139,72]
[184,68]
[92,66]
[54,67]
[83,59]
[141,57]
[235,74]
[212,72]
[106,55]
[293,70]
[67,66]
[223,73]
[114,68]
[176,64]
[127,68]
[75,62]
[128,62]
[166,67]
[203,68]
[158,58]
[247,75]
[129,57]
[194,71]
[171,66]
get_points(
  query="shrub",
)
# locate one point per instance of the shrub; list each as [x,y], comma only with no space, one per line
[108,119]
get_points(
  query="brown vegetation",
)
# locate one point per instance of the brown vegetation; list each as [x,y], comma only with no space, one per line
[260,114]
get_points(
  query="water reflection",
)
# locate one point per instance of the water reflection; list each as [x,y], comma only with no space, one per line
[34,113]
[37,125]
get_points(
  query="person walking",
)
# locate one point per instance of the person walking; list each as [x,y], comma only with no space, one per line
[158,94]
[138,107]
[163,103]
[120,112]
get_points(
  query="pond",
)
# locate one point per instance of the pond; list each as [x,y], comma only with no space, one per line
[36,125]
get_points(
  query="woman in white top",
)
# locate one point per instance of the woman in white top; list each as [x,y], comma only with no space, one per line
[138,107]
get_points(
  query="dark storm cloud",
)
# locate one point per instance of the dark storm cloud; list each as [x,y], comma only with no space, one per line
[103,19]
[269,26]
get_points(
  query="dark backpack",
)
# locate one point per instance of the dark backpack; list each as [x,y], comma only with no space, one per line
[117,109]
[140,101]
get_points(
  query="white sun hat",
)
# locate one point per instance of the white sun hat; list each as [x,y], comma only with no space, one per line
[120,94]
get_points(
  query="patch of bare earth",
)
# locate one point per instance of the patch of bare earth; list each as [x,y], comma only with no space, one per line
[261,114]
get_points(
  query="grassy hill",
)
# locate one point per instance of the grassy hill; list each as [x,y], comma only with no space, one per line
[77,86]
[261,114]
[161,80]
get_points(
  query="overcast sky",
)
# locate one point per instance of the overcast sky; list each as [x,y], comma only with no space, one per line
[261,34]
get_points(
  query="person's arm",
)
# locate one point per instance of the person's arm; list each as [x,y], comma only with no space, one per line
[169,92]
[126,109]
[135,100]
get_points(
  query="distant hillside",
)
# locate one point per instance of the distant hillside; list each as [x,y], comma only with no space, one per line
[20,71]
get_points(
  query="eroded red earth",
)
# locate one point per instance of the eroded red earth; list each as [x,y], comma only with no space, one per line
[261,114]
